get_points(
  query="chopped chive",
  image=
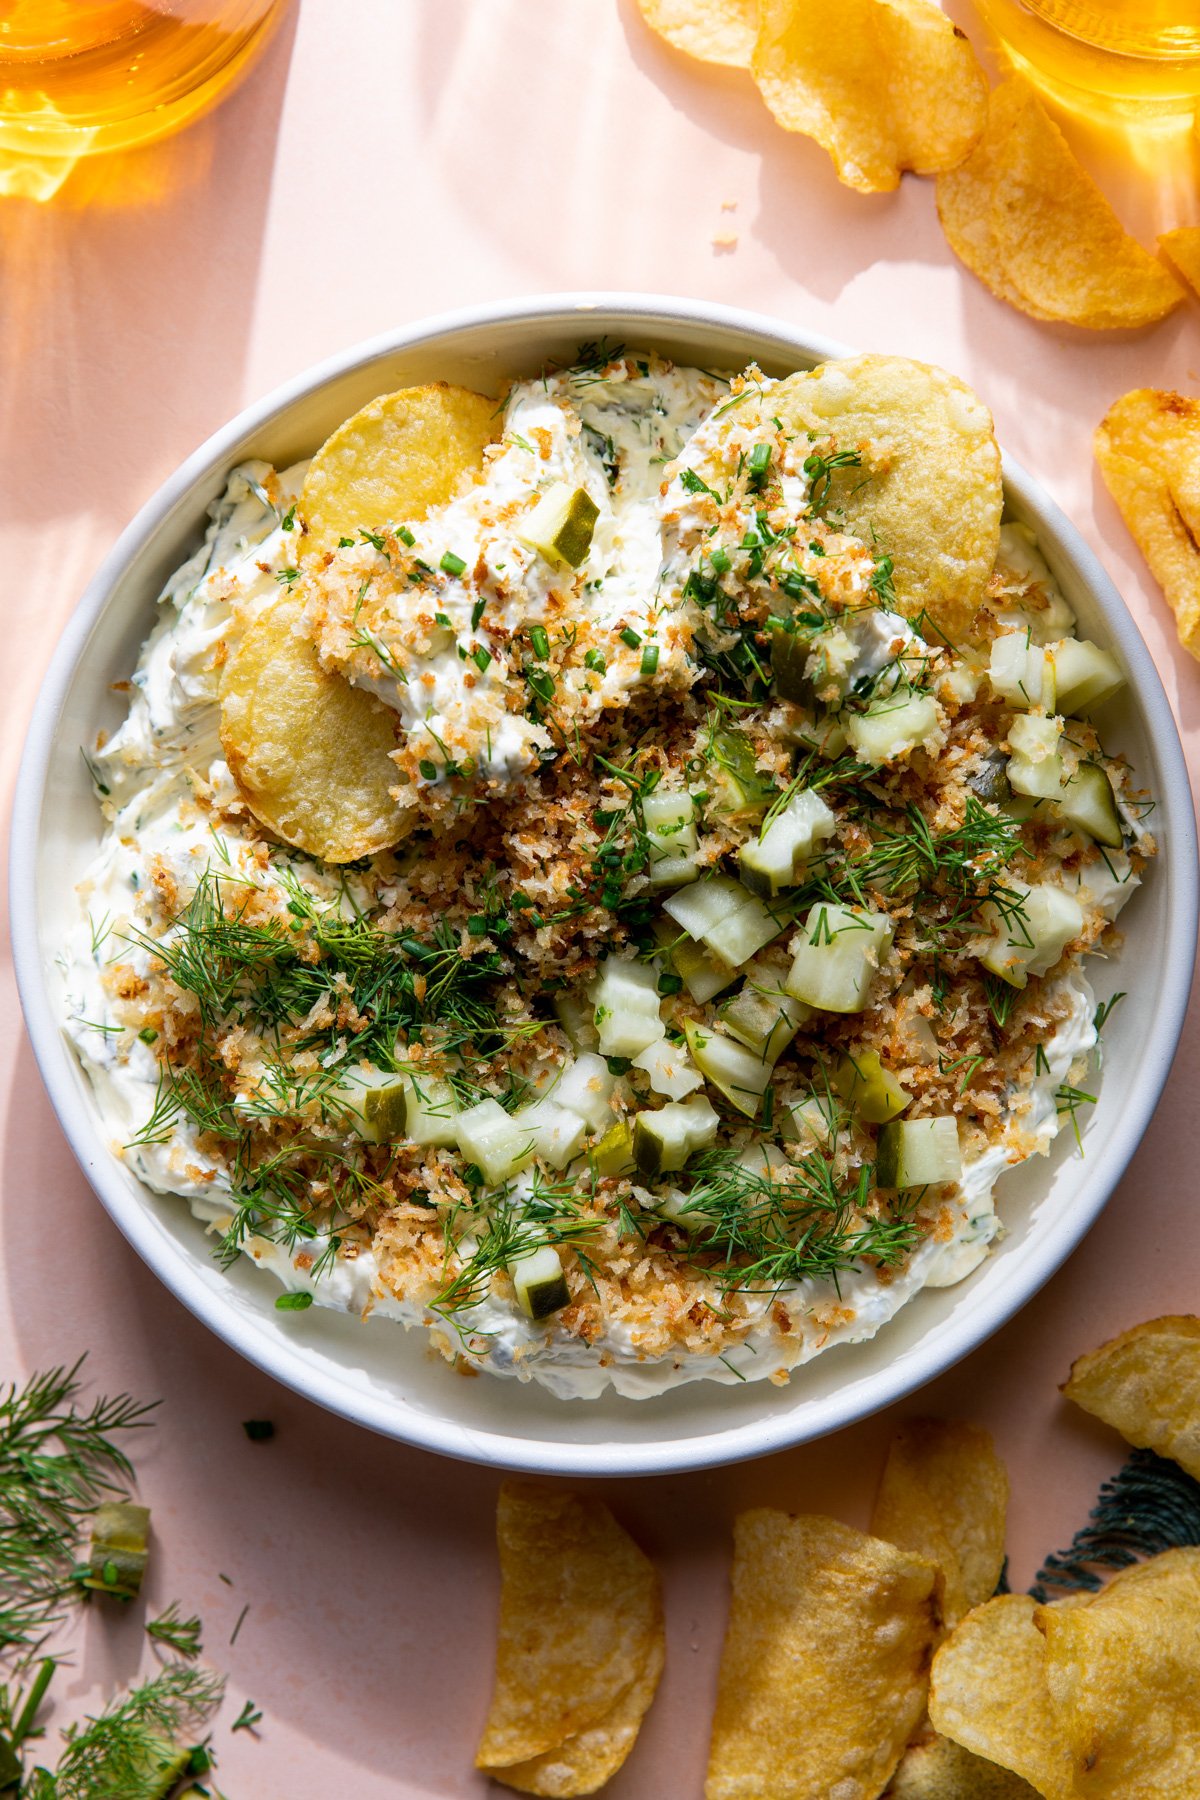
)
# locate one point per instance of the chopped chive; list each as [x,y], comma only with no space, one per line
[649,659]
[288,521]
[477,925]
[429,770]
[477,614]
[442,619]
[451,564]
[405,535]
[541,683]
[594,660]
[481,658]
[631,637]
[293,1302]
[540,642]
[345,543]
[759,463]
[148,1034]
[669,984]
[720,561]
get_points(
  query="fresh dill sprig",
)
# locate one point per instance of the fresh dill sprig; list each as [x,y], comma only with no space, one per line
[514,1223]
[1105,1010]
[1149,1506]
[137,1747]
[56,1464]
[180,1635]
[765,1229]
[248,1718]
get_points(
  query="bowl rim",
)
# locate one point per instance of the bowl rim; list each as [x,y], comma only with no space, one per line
[640,313]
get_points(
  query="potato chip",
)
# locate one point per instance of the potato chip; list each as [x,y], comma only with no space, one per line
[1182,250]
[586,1761]
[392,461]
[927,490]
[988,1692]
[944,1494]
[1146,1383]
[1148,449]
[826,1658]
[939,1769]
[309,753]
[892,85]
[1025,217]
[580,1646]
[1124,1678]
[715,31]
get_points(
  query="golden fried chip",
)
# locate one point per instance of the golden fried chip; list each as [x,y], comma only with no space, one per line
[885,86]
[580,1645]
[926,490]
[309,753]
[988,1692]
[586,1761]
[1124,1678]
[1182,249]
[401,455]
[715,31]
[825,1665]
[1146,1383]
[1025,217]
[939,1769]
[1148,449]
[944,1494]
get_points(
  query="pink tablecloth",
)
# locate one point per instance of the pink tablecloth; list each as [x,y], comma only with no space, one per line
[387,161]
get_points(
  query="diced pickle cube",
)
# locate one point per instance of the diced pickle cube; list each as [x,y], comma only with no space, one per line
[837,955]
[871,1091]
[541,1287]
[917,1153]
[560,526]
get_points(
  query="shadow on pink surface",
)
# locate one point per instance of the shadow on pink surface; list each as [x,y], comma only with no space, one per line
[144,265]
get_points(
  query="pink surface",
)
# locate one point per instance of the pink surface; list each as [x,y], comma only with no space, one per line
[386,162]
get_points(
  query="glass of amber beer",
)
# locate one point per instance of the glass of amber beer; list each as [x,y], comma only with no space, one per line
[1136,59]
[80,76]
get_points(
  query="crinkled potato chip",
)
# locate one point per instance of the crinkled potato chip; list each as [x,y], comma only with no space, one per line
[309,753]
[392,461]
[944,1494]
[988,1692]
[1025,217]
[825,1665]
[1124,1678]
[1182,250]
[580,1645]
[715,31]
[927,492]
[1148,449]
[940,1769]
[586,1761]
[1146,1384]
[882,85]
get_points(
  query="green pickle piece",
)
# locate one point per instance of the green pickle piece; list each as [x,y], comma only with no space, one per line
[560,526]
[613,1155]
[738,788]
[790,652]
[869,1089]
[119,1549]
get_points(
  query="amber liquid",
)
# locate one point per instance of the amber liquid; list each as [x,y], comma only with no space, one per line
[81,76]
[1132,59]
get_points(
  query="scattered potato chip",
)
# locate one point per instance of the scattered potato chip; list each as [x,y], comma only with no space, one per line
[715,31]
[1124,1678]
[1182,249]
[825,1665]
[580,1647]
[944,1494]
[1146,1383]
[890,85]
[1148,449]
[932,498]
[939,1769]
[1025,217]
[989,1693]
[395,459]
[309,753]
[586,1761]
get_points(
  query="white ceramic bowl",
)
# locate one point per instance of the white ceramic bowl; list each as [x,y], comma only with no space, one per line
[377,1373]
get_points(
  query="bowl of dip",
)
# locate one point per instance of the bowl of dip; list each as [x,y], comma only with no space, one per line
[646,1420]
